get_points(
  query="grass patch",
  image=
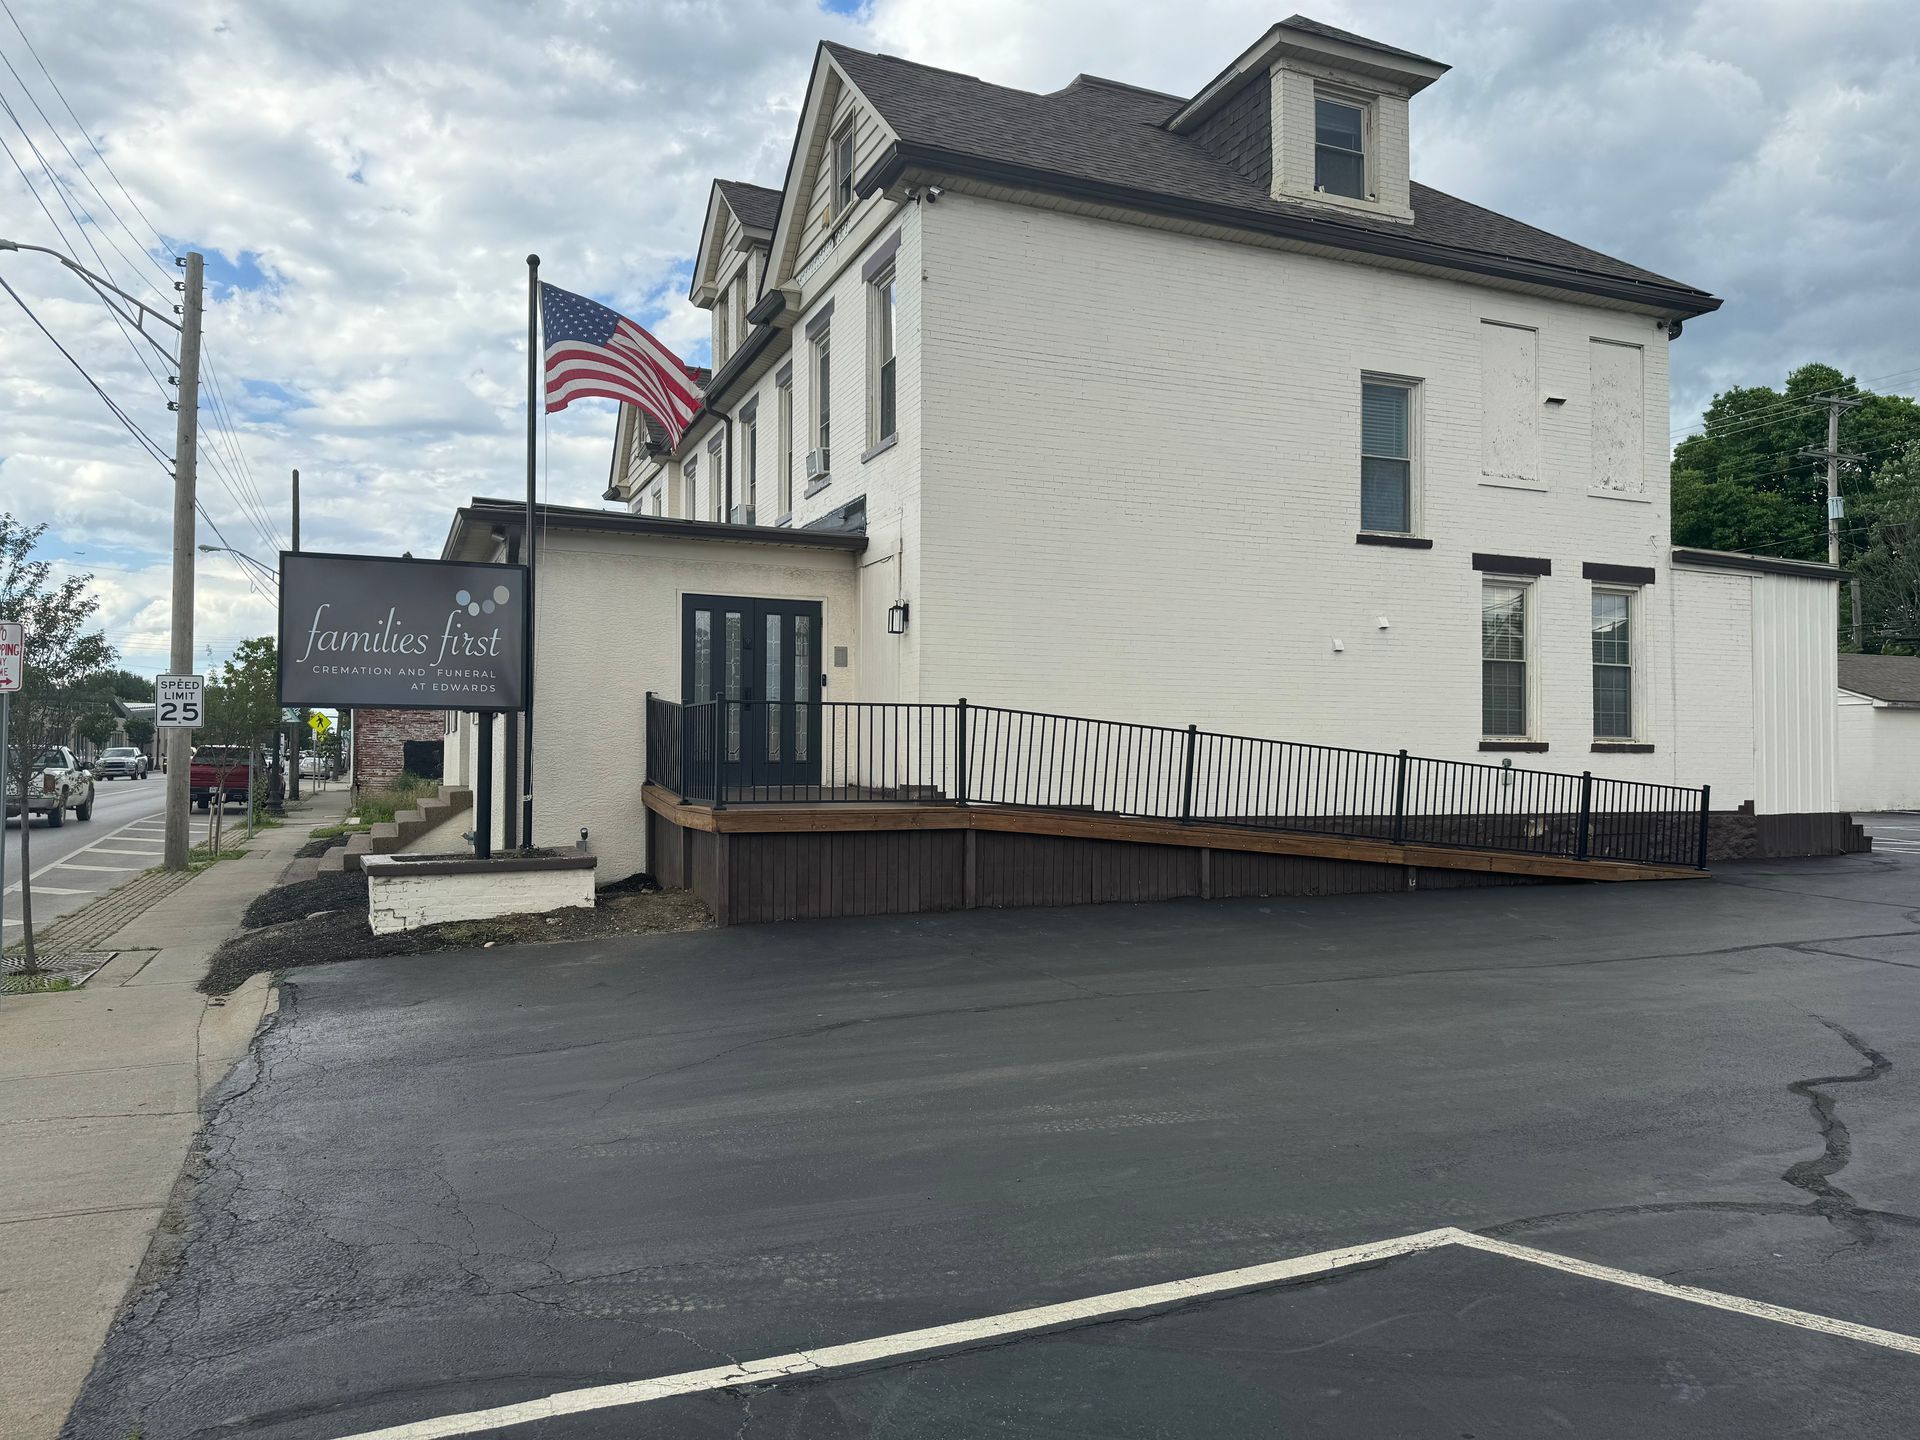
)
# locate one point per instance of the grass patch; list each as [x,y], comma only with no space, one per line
[333,832]
[36,985]
[200,858]
[380,806]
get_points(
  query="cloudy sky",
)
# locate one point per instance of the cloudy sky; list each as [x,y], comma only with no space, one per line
[367,178]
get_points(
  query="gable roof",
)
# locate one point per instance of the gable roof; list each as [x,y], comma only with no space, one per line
[1892,678]
[755,206]
[1315,27]
[1103,142]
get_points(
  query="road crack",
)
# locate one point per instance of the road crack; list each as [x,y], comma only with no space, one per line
[1815,1176]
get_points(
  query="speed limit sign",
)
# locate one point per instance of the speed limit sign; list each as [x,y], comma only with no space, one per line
[178,701]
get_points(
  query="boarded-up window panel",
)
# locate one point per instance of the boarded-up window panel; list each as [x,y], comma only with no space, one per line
[1509,403]
[1619,427]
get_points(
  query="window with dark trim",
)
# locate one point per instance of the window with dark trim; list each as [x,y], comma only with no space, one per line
[882,363]
[1386,456]
[843,169]
[784,475]
[1503,659]
[1612,664]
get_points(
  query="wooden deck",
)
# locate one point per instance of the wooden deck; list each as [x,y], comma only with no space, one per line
[771,861]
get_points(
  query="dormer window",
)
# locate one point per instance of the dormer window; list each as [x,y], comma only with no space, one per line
[1339,147]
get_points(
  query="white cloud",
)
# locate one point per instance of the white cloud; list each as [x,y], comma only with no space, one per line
[386,168]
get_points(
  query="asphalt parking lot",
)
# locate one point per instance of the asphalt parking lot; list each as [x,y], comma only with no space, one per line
[468,1181]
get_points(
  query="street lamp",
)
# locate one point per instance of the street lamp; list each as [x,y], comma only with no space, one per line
[186,446]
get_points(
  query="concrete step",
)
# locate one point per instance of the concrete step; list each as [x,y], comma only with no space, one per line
[396,834]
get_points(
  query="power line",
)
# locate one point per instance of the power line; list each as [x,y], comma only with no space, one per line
[83,130]
[239,479]
[1776,409]
[147,442]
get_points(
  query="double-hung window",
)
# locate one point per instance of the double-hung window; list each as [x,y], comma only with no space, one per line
[749,467]
[823,401]
[722,333]
[1612,665]
[843,170]
[1340,147]
[716,490]
[784,478]
[690,489]
[881,381]
[1386,456]
[1503,659]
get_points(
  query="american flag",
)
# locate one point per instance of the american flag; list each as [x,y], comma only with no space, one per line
[592,350]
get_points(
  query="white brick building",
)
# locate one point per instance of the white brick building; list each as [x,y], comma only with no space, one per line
[1189,409]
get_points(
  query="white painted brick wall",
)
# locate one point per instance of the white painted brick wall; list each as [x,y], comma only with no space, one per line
[406,902]
[1140,491]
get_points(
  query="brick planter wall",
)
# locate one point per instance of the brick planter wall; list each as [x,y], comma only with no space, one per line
[380,738]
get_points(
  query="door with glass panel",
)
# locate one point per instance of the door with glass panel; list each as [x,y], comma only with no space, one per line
[761,658]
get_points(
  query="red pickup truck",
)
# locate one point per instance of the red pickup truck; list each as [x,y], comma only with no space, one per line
[220,768]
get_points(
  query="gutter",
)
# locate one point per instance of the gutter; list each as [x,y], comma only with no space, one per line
[1327,233]
[1759,564]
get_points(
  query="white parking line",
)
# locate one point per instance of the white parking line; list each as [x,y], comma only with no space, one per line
[966,1333]
[49,890]
[110,850]
[109,869]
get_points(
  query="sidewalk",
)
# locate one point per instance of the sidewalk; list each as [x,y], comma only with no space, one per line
[100,1094]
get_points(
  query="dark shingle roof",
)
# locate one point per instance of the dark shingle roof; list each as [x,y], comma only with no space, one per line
[1314,27]
[1893,678]
[1107,134]
[756,207]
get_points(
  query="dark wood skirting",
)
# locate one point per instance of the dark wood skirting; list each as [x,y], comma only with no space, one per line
[759,863]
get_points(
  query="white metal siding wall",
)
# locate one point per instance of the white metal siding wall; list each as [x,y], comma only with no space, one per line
[1879,762]
[1712,668]
[1795,674]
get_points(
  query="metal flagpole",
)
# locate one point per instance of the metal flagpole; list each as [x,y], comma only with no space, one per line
[526,547]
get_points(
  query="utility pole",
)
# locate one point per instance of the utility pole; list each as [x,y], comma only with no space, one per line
[293,770]
[186,442]
[1836,503]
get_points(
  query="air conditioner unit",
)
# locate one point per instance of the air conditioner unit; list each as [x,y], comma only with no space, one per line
[742,515]
[816,464]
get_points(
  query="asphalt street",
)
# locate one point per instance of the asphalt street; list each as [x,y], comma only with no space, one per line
[471,1180]
[73,864]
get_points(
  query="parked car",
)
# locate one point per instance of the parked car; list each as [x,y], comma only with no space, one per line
[218,768]
[317,767]
[56,783]
[121,762]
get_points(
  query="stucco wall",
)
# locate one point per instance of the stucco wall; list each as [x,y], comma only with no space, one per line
[609,631]
[1879,759]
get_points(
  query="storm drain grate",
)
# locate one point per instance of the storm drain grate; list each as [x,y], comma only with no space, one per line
[75,967]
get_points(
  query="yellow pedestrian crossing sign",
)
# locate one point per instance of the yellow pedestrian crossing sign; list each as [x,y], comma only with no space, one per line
[319,724]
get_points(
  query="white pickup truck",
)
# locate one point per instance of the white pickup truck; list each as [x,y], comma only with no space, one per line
[56,783]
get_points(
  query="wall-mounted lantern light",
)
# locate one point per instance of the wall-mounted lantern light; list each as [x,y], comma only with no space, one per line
[897,618]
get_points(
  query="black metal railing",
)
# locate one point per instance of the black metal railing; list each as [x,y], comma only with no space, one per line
[733,752]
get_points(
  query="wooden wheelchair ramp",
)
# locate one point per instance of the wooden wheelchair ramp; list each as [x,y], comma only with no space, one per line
[794,860]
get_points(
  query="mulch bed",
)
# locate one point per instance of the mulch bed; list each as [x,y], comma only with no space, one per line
[322,846]
[314,922]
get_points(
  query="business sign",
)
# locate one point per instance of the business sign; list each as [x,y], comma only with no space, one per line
[179,701]
[13,656]
[359,630]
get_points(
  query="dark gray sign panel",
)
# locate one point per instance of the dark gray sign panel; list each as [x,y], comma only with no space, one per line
[371,631]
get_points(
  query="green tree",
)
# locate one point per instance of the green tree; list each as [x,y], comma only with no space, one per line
[140,732]
[242,710]
[1889,565]
[129,686]
[1745,483]
[66,663]
[97,727]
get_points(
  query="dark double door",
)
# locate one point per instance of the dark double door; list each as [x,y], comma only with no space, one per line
[762,659]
